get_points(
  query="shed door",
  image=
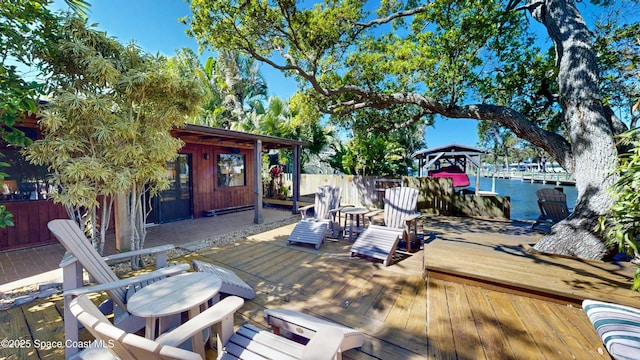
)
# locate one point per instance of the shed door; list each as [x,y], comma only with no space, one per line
[175,202]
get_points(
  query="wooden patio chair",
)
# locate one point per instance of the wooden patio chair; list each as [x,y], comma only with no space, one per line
[318,218]
[553,208]
[291,323]
[248,342]
[81,255]
[400,221]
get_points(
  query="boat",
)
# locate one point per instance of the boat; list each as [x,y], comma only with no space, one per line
[450,161]
[457,175]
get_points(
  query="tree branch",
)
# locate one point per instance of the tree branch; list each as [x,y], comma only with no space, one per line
[552,143]
[392,17]
[531,6]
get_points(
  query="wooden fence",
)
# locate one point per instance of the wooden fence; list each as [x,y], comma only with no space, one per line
[437,195]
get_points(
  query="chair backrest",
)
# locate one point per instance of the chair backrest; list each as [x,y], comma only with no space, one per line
[117,341]
[554,210]
[74,241]
[551,195]
[327,199]
[553,204]
[399,202]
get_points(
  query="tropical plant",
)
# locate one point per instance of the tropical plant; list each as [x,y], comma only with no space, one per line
[241,83]
[106,130]
[621,224]
[26,29]
[6,218]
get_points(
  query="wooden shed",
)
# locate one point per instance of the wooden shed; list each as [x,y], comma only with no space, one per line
[217,171]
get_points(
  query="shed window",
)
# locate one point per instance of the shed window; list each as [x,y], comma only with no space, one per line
[23,180]
[231,170]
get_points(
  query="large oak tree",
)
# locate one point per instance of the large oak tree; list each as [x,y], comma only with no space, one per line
[474,59]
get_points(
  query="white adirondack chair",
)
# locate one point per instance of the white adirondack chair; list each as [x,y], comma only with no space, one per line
[400,215]
[81,255]
[248,342]
[317,218]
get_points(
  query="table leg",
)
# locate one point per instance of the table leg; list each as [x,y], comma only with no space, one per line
[351,228]
[150,329]
[344,227]
[197,342]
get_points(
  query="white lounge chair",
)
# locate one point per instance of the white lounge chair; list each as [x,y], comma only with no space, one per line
[618,327]
[248,342]
[231,283]
[317,218]
[400,215]
[81,255]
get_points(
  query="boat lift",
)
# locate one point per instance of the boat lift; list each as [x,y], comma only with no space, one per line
[455,155]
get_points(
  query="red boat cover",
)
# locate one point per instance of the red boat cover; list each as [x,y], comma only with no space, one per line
[460,179]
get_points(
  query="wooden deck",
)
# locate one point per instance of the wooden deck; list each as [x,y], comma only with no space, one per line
[459,312]
[491,297]
[388,304]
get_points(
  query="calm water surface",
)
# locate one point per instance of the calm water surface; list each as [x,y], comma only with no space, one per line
[524,203]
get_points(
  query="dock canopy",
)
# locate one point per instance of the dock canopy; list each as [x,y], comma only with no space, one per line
[454,155]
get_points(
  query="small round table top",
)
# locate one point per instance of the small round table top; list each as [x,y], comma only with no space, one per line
[174,294]
[355,210]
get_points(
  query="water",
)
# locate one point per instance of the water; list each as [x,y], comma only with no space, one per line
[524,203]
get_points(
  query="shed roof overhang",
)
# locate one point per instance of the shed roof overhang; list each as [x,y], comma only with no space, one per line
[198,134]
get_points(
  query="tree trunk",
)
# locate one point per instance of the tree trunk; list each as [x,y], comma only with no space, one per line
[589,131]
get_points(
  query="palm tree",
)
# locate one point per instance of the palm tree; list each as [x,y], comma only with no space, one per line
[234,89]
[243,86]
[79,7]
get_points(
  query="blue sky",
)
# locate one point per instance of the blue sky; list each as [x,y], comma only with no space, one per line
[154,26]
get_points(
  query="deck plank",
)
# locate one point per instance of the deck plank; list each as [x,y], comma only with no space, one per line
[440,343]
[15,329]
[494,341]
[541,330]
[512,263]
[47,327]
[565,322]
[519,339]
[465,334]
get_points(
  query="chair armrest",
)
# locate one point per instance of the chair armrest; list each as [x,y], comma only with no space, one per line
[324,345]
[371,214]
[303,211]
[164,272]
[157,250]
[219,312]
[411,218]
[336,212]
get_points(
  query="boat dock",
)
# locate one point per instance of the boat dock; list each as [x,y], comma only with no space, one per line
[558,179]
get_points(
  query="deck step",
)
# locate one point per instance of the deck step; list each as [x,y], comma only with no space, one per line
[228,210]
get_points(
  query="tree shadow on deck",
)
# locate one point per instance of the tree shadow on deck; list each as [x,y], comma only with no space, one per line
[504,253]
[327,283]
[468,322]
